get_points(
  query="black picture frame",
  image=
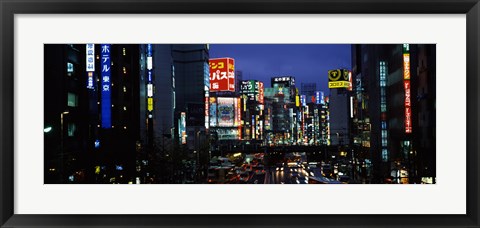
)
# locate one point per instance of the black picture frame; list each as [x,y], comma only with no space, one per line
[9,8]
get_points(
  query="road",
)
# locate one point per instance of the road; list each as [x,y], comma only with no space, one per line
[290,175]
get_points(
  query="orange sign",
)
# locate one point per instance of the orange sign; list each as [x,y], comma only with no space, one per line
[406,66]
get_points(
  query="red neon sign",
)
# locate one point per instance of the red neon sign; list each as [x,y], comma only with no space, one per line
[408,107]
[222,74]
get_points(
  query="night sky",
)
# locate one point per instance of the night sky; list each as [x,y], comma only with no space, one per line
[306,62]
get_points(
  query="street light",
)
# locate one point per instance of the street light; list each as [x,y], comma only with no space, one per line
[47,129]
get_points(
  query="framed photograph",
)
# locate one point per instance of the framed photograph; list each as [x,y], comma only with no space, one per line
[256,113]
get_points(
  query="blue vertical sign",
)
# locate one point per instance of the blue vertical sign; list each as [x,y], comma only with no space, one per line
[303,100]
[106,99]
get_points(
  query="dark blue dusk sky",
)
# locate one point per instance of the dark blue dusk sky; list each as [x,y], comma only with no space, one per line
[306,62]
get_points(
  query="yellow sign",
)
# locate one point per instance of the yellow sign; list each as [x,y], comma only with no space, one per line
[297,101]
[150,104]
[339,78]
[334,75]
[406,66]
[338,84]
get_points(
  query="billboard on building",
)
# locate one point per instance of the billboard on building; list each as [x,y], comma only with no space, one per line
[90,55]
[207,112]
[338,78]
[261,92]
[226,111]
[227,133]
[408,107]
[150,104]
[106,102]
[286,80]
[213,112]
[183,127]
[222,74]
[406,83]
[238,113]
[250,89]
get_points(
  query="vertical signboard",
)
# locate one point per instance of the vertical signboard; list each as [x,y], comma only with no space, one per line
[222,74]
[408,109]
[231,74]
[238,112]
[350,84]
[261,92]
[150,104]
[183,130]
[406,83]
[207,111]
[303,100]
[317,97]
[149,79]
[90,55]
[213,112]
[105,95]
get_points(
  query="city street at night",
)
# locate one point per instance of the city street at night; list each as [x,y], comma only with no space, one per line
[240,114]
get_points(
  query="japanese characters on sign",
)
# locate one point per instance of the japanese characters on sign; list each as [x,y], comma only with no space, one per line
[408,107]
[338,78]
[105,74]
[149,78]
[90,64]
[406,66]
[406,83]
[261,92]
[90,57]
[222,74]
[286,80]
[207,111]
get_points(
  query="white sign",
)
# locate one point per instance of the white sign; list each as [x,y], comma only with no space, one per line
[90,57]
[149,62]
[149,90]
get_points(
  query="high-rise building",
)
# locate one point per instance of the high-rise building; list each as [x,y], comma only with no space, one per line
[192,85]
[65,130]
[92,102]
[339,109]
[157,83]
[389,81]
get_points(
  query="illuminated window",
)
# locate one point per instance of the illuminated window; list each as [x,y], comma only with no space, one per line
[72,100]
[71,129]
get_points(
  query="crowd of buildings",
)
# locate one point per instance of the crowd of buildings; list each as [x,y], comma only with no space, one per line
[113,109]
